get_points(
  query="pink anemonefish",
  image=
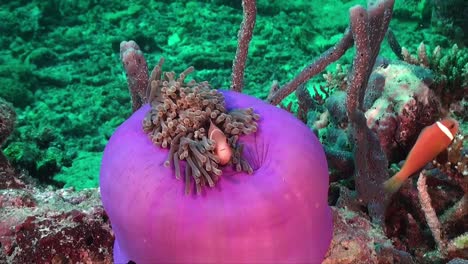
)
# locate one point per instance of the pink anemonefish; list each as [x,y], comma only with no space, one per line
[431,142]
[222,149]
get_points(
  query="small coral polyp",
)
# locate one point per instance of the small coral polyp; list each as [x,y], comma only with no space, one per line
[184,117]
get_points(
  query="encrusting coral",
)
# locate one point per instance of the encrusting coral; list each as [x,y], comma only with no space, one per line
[187,118]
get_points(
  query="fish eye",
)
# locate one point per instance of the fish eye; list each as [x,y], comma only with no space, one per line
[452,125]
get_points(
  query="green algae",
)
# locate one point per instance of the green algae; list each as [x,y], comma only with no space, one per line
[60,67]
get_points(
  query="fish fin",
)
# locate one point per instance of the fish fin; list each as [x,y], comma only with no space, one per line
[211,130]
[393,184]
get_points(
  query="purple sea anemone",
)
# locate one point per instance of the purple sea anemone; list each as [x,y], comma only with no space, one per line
[278,213]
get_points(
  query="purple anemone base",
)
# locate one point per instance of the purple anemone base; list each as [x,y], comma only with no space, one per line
[277,214]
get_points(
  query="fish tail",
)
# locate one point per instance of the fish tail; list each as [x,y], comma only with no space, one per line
[393,184]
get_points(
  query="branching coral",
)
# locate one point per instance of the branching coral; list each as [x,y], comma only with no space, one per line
[454,247]
[443,201]
[456,168]
[431,216]
[451,70]
[180,120]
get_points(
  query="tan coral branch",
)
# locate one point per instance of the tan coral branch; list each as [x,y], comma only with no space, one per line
[430,214]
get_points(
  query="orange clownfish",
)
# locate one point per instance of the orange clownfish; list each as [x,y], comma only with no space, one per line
[222,149]
[431,142]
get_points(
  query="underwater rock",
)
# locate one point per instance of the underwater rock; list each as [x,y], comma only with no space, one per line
[277,214]
[357,240]
[405,106]
[40,225]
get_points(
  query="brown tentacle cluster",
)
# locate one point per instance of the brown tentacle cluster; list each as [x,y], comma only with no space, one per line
[179,119]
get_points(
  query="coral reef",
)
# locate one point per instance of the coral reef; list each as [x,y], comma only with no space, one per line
[58,69]
[46,225]
[399,100]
